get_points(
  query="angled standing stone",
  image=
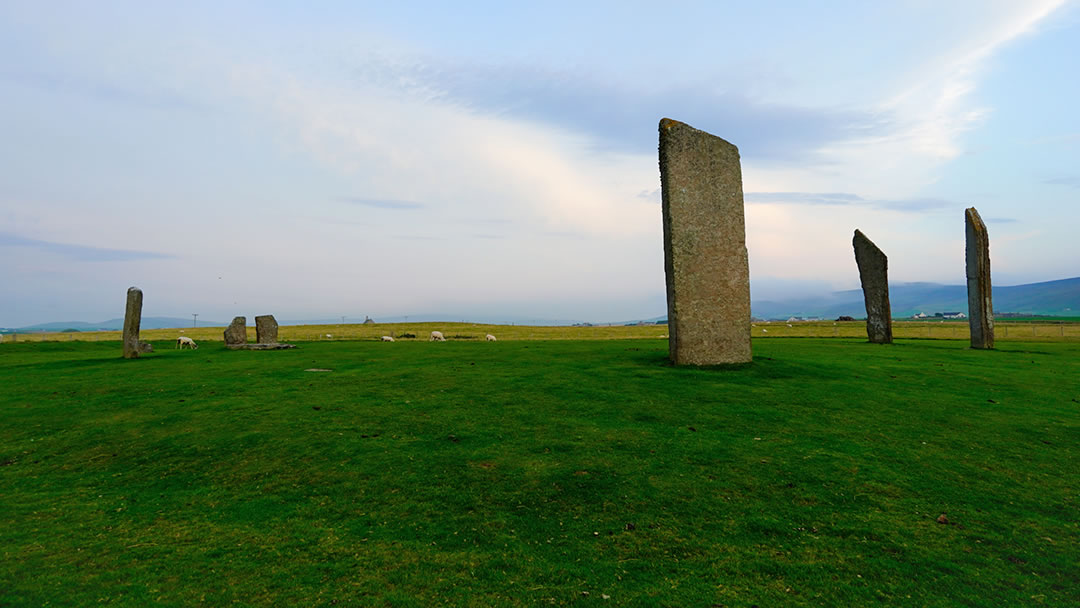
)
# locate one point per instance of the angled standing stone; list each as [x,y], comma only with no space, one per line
[266,329]
[236,332]
[980,308]
[705,260]
[132,321]
[874,276]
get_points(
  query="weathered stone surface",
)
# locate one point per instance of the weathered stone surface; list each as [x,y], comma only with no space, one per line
[705,260]
[266,329]
[874,275]
[236,332]
[132,321]
[146,347]
[980,308]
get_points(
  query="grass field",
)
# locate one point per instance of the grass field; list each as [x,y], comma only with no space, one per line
[1020,330]
[545,472]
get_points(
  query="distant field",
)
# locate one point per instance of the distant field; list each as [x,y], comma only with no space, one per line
[951,330]
[829,472]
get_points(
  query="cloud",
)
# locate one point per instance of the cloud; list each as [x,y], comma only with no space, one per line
[382,203]
[926,116]
[460,163]
[1070,181]
[68,85]
[580,102]
[842,198]
[80,253]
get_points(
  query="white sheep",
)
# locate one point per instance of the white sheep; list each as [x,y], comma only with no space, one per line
[436,336]
[490,338]
[184,340]
[388,338]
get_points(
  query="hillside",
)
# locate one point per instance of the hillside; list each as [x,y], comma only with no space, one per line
[1057,298]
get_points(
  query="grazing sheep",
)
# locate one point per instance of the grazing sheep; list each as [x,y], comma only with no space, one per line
[490,338]
[388,338]
[184,340]
[436,336]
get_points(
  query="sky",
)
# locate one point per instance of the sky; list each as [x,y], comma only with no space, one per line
[489,161]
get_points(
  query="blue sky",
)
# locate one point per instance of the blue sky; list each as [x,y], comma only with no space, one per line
[486,159]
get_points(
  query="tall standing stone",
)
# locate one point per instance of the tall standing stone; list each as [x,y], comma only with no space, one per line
[705,259]
[132,321]
[266,329]
[236,332]
[874,275]
[980,308]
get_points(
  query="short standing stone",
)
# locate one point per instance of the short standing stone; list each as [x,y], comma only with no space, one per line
[266,329]
[980,308]
[132,321]
[146,347]
[874,275]
[236,332]
[705,260]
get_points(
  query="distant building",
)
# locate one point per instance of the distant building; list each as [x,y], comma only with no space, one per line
[954,315]
[368,320]
[920,315]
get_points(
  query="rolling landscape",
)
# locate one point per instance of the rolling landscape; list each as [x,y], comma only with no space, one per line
[1051,298]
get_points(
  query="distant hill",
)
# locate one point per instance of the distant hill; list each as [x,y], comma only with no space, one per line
[1055,298]
[118,324]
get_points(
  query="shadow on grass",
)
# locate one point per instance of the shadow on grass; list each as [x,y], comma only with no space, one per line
[762,367]
[83,363]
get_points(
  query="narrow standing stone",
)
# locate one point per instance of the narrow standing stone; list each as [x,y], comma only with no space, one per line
[874,276]
[132,321]
[266,329]
[705,259]
[236,332]
[980,308]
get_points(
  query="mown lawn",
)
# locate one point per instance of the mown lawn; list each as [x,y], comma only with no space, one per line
[527,473]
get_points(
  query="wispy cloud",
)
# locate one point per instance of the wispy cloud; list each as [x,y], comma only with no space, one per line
[82,253]
[1070,181]
[382,203]
[842,198]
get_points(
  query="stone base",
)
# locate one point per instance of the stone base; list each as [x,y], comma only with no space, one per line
[274,346]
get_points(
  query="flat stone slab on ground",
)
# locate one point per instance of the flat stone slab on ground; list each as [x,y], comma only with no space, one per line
[277,346]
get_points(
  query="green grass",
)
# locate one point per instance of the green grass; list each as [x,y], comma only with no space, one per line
[526,473]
